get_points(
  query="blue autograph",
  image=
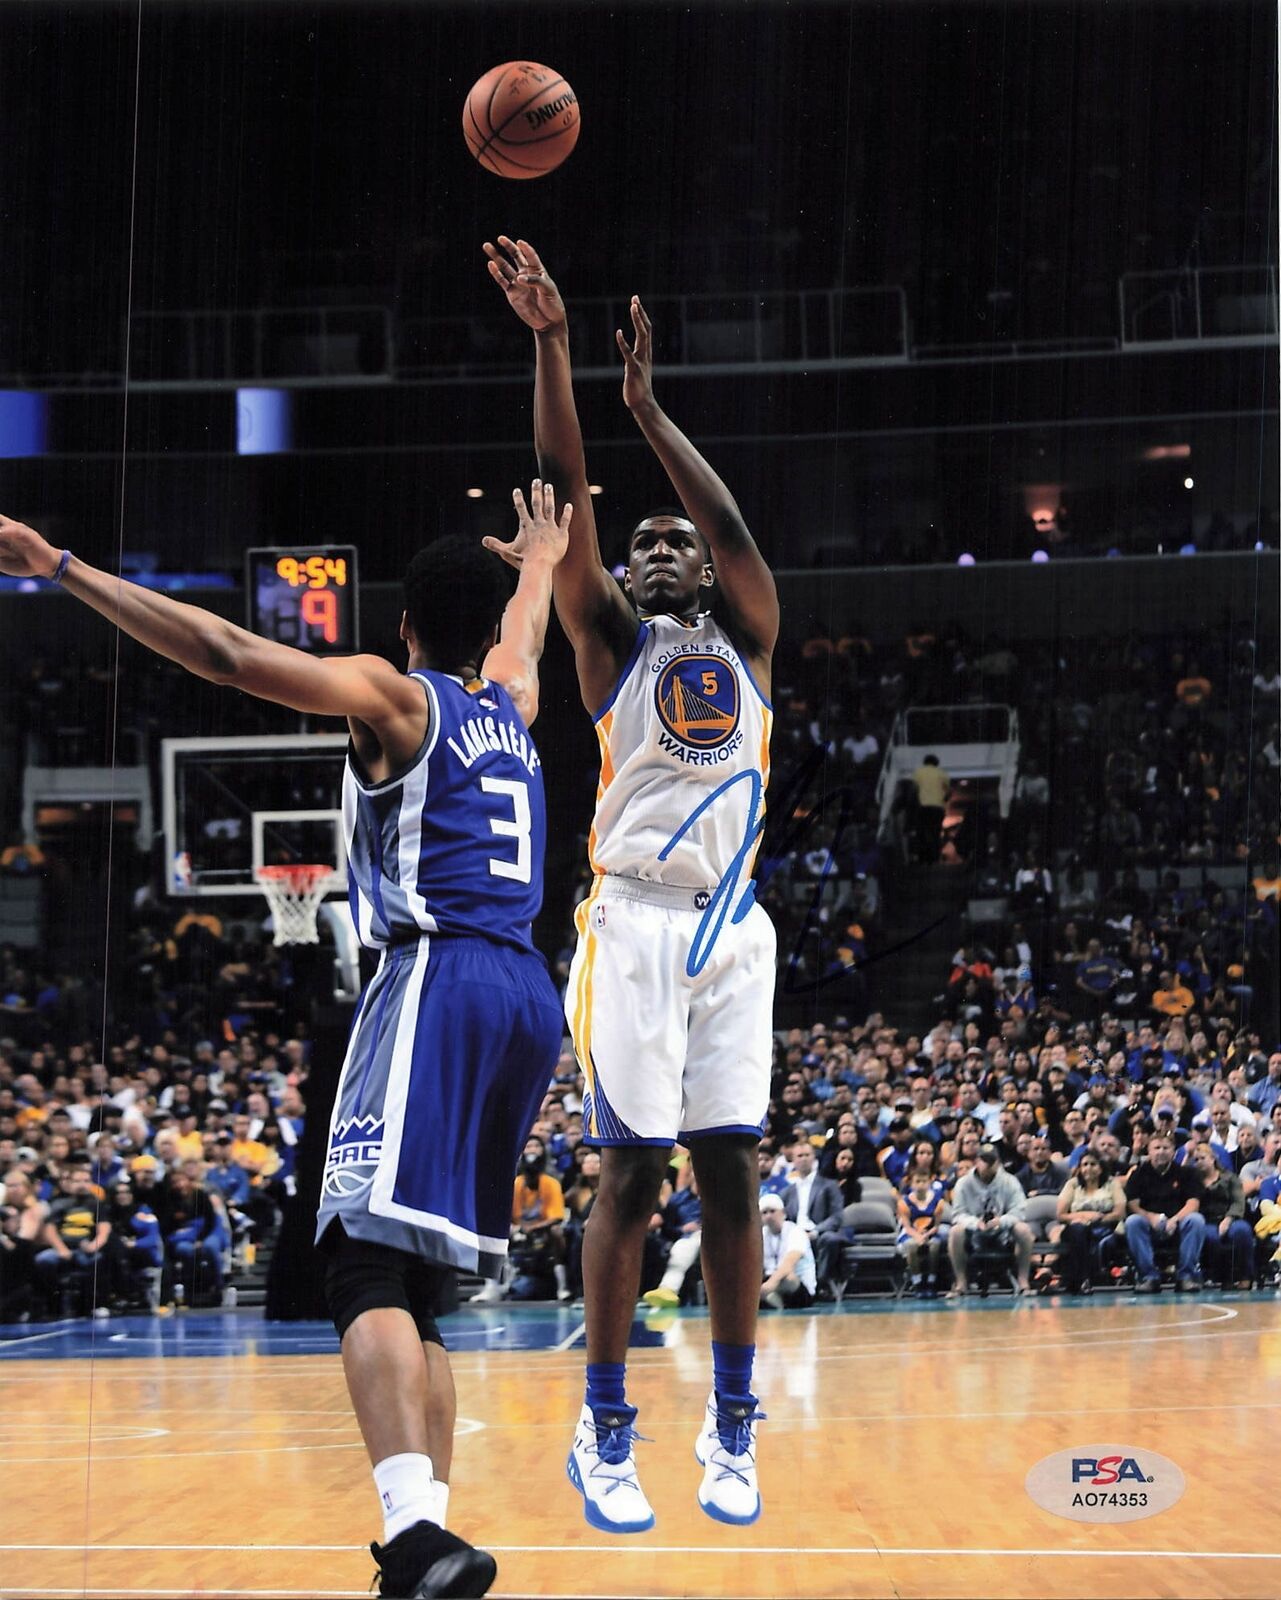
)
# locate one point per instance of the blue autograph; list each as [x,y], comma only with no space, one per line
[791,832]
[718,907]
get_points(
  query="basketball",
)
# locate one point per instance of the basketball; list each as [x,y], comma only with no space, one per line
[521,120]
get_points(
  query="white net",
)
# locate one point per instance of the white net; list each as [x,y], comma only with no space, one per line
[294,895]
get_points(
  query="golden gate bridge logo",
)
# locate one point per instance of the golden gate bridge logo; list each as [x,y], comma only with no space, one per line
[697,698]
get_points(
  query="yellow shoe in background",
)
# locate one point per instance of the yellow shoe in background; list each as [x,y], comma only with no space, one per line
[666,1299]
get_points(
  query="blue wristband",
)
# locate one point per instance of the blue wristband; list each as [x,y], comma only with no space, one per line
[62,567]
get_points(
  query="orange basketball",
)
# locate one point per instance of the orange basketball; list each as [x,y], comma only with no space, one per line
[521,120]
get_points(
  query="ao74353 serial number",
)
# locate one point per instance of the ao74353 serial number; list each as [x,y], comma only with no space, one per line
[1091,1498]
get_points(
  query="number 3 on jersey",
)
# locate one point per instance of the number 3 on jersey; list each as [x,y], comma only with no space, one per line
[517,827]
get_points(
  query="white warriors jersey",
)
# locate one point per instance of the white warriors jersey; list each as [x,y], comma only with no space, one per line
[685,731]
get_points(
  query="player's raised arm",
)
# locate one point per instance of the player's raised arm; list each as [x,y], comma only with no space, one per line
[365,687]
[741,571]
[536,551]
[591,608]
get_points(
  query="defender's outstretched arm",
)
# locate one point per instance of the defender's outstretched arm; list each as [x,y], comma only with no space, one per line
[536,551]
[366,687]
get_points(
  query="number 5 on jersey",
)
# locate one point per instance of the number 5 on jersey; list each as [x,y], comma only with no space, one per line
[518,828]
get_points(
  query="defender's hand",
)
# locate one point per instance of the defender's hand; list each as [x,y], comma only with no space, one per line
[538,533]
[24,553]
[638,359]
[519,272]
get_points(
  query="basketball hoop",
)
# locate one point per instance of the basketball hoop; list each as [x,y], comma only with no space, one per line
[294,894]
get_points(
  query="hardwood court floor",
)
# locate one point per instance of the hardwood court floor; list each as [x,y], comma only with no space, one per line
[892,1464]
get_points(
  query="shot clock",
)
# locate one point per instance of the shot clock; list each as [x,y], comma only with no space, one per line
[305,596]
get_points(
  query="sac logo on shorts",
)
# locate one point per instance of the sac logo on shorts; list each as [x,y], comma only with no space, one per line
[354,1152]
[698,705]
[1105,1483]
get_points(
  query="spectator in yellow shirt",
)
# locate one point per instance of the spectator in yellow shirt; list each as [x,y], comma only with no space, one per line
[197,919]
[259,1161]
[1172,999]
[1267,884]
[538,1201]
[538,1216]
[932,789]
[21,856]
[191,1143]
[1194,690]
[250,1154]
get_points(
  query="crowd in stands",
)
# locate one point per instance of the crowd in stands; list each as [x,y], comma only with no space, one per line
[136,1181]
[129,1181]
[1118,979]
[1067,1155]
[1139,755]
[1149,793]
[177,973]
[1155,752]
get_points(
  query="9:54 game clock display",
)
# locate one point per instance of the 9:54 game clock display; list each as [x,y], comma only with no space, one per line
[304,596]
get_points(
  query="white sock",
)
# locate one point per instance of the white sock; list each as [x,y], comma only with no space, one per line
[407,1492]
[442,1502]
[558,1272]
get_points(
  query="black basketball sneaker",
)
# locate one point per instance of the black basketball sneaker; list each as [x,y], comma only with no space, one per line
[425,1561]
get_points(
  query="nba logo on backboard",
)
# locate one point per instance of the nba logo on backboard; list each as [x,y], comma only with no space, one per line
[181,878]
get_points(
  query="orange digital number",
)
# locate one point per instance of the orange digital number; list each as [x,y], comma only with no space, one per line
[316,576]
[320,610]
[287,568]
[336,568]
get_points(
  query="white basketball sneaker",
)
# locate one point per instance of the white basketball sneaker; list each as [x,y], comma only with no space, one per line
[729,1492]
[602,1467]
[489,1294]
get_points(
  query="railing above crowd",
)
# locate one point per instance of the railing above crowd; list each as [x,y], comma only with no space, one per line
[795,330]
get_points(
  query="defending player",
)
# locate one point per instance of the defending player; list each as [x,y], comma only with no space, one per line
[671,991]
[458,1032]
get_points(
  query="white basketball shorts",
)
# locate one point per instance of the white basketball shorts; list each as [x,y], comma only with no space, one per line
[668,1056]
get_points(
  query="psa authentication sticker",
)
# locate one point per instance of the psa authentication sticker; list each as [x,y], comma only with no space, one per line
[1105,1483]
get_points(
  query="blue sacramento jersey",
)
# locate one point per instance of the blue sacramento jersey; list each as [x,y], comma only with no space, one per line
[454,844]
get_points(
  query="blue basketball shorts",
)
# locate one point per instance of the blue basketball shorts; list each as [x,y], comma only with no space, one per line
[453,1047]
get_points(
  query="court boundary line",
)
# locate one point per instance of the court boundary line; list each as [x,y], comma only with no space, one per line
[464,1428]
[106,1368]
[1144,1334]
[319,1594]
[35,1338]
[202,1370]
[780,1421]
[195,1374]
[1071,1552]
